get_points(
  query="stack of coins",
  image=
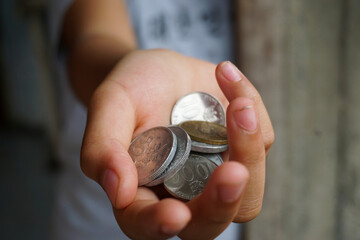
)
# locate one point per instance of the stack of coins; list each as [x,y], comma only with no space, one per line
[184,155]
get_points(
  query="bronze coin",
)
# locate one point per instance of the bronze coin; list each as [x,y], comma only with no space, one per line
[206,132]
[152,152]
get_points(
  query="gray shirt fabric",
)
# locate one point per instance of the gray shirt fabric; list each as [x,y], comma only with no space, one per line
[200,29]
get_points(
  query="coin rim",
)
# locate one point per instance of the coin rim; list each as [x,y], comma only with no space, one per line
[178,160]
[201,138]
[208,148]
[145,180]
[215,157]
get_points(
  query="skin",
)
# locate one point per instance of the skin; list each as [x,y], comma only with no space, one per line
[128,91]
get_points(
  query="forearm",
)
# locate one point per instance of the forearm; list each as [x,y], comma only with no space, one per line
[96,35]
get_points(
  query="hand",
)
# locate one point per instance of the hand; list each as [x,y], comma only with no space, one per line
[139,94]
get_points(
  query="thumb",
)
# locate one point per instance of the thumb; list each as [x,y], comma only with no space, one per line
[246,147]
[246,135]
[104,155]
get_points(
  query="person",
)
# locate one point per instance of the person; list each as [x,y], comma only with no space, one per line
[109,51]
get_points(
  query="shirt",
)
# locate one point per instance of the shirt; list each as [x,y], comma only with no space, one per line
[201,29]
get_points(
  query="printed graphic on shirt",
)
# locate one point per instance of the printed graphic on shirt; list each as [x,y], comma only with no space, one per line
[183,22]
[158,27]
[201,29]
[213,20]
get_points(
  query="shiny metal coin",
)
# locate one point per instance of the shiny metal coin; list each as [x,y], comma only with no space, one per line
[152,152]
[198,106]
[192,177]
[181,155]
[206,132]
[214,157]
[207,148]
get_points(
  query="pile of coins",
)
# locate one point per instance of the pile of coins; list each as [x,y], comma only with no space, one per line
[183,155]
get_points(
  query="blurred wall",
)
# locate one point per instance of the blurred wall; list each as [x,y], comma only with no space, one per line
[20,76]
[28,121]
[28,97]
[304,58]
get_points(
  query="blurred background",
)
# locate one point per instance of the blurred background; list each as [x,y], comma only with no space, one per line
[304,58]
[28,121]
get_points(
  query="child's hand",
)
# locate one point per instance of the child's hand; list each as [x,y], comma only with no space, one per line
[139,94]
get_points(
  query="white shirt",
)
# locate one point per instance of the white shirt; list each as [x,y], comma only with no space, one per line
[193,28]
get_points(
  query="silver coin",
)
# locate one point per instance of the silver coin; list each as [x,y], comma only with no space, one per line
[152,152]
[214,157]
[207,148]
[181,155]
[198,106]
[191,179]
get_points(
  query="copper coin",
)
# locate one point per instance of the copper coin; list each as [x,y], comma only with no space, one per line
[181,155]
[152,152]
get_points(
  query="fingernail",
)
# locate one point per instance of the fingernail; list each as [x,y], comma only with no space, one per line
[110,183]
[230,72]
[230,194]
[245,118]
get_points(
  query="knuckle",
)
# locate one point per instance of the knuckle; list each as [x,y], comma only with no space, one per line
[247,217]
[249,211]
[84,156]
[270,139]
[96,157]
[250,158]
[92,161]
[86,159]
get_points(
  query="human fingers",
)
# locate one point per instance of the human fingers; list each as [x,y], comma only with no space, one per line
[148,218]
[104,155]
[234,84]
[214,209]
[246,146]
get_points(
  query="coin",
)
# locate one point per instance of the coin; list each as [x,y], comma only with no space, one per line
[152,152]
[198,106]
[206,132]
[207,148]
[181,155]
[214,157]
[191,179]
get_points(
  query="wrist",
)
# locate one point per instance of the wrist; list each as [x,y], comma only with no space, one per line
[91,59]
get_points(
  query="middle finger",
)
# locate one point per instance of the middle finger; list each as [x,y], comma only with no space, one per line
[214,209]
